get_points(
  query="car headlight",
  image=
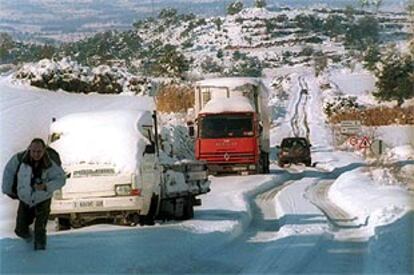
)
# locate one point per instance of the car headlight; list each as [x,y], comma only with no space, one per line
[58,194]
[123,189]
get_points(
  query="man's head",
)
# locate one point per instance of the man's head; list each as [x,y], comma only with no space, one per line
[37,149]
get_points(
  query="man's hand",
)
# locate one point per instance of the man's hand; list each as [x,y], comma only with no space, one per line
[40,187]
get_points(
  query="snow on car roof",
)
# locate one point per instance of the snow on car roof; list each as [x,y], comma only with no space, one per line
[108,137]
[224,104]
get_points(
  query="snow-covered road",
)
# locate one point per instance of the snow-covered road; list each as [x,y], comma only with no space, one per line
[284,222]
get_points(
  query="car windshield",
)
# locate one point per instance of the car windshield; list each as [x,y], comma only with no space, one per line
[223,126]
[294,143]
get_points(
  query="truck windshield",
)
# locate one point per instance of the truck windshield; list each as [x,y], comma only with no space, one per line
[223,126]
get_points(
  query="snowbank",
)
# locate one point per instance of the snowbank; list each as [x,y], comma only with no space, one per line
[372,202]
[396,135]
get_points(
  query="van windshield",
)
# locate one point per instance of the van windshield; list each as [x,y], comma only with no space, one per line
[224,126]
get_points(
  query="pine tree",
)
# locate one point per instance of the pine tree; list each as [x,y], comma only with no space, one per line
[395,78]
[235,7]
[371,57]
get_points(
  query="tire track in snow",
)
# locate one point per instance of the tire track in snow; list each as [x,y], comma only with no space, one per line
[317,194]
[299,120]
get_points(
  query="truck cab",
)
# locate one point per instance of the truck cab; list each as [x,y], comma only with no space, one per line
[232,125]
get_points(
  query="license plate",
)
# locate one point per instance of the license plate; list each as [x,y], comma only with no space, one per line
[88,204]
[201,175]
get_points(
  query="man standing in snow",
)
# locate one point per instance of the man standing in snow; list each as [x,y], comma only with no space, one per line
[32,176]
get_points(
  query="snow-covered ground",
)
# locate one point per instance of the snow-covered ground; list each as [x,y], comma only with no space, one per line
[334,217]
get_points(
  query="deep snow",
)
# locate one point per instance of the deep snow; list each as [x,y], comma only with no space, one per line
[251,224]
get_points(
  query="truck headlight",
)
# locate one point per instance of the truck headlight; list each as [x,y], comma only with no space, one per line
[123,189]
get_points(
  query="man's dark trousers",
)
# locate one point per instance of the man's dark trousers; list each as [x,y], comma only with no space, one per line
[25,217]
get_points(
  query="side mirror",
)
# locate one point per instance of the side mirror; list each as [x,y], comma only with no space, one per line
[191,130]
[277,146]
[310,145]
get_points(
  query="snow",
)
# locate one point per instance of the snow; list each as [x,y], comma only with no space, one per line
[231,83]
[372,202]
[396,135]
[400,153]
[250,224]
[224,104]
[358,82]
[110,137]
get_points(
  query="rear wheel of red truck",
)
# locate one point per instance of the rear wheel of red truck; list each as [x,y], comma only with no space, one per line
[264,163]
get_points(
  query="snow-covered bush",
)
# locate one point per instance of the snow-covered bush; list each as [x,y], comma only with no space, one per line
[249,67]
[234,7]
[70,76]
[209,65]
[341,104]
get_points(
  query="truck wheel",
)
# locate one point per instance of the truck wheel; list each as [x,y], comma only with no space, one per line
[62,224]
[265,163]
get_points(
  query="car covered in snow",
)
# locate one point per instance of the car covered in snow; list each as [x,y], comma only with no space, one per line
[294,150]
[115,171]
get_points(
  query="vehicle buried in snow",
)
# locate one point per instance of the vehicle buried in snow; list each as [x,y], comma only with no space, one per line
[232,125]
[294,150]
[115,172]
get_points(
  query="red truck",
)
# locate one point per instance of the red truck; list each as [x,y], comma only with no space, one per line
[232,125]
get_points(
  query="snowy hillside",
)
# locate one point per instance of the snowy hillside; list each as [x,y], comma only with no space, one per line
[334,78]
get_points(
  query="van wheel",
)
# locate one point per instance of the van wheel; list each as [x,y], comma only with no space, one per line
[149,219]
[188,209]
[62,224]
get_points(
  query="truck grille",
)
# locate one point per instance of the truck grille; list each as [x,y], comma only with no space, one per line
[228,157]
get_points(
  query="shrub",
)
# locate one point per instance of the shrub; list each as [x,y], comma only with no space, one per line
[68,75]
[174,98]
[341,104]
[209,65]
[378,116]
[249,67]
